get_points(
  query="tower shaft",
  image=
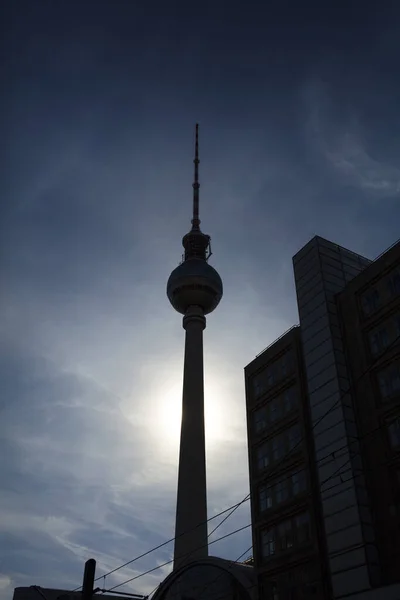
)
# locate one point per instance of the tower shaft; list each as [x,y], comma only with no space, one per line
[191,510]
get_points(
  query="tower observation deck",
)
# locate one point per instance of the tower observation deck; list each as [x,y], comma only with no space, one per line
[194,289]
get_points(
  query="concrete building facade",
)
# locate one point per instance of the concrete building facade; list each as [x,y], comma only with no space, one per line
[369,310]
[283,481]
[344,365]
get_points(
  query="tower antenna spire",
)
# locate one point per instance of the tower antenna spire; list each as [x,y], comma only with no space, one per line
[196,184]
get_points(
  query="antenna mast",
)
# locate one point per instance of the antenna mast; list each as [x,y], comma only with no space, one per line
[196,184]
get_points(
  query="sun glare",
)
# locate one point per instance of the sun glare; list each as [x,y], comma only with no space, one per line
[170,413]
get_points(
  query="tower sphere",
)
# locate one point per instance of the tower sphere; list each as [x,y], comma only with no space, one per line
[194,283]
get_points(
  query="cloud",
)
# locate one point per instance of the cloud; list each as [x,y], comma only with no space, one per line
[350,158]
[99,195]
[87,471]
[339,139]
[5,581]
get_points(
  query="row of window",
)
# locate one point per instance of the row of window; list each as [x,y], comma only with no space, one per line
[294,584]
[281,490]
[273,373]
[275,410]
[389,381]
[375,298]
[384,335]
[292,533]
[277,447]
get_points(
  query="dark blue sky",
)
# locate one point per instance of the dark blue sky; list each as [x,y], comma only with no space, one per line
[298,105]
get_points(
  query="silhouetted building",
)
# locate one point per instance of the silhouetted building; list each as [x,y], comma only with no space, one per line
[324,433]
[210,578]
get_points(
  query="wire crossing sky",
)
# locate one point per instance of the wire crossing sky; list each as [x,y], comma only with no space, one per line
[300,135]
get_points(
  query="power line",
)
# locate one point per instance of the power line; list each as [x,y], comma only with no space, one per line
[375,430]
[231,513]
[230,564]
[219,524]
[234,506]
[272,472]
[334,405]
[221,574]
[214,541]
[171,561]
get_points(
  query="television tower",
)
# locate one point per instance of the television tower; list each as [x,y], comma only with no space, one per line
[194,289]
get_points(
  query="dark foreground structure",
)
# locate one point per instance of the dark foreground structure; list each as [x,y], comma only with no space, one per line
[209,579]
[323,411]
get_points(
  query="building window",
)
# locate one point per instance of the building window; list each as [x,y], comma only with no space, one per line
[370,302]
[294,437]
[289,400]
[298,482]
[281,489]
[285,535]
[379,340]
[285,364]
[278,447]
[303,528]
[394,433]
[257,387]
[272,374]
[265,497]
[275,410]
[394,283]
[260,419]
[389,381]
[267,543]
[263,457]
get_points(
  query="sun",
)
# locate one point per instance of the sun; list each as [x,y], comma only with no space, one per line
[170,413]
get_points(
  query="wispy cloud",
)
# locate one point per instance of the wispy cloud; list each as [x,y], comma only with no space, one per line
[339,139]
[89,471]
[98,197]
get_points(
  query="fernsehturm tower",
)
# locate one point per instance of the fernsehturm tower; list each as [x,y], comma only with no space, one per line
[194,290]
